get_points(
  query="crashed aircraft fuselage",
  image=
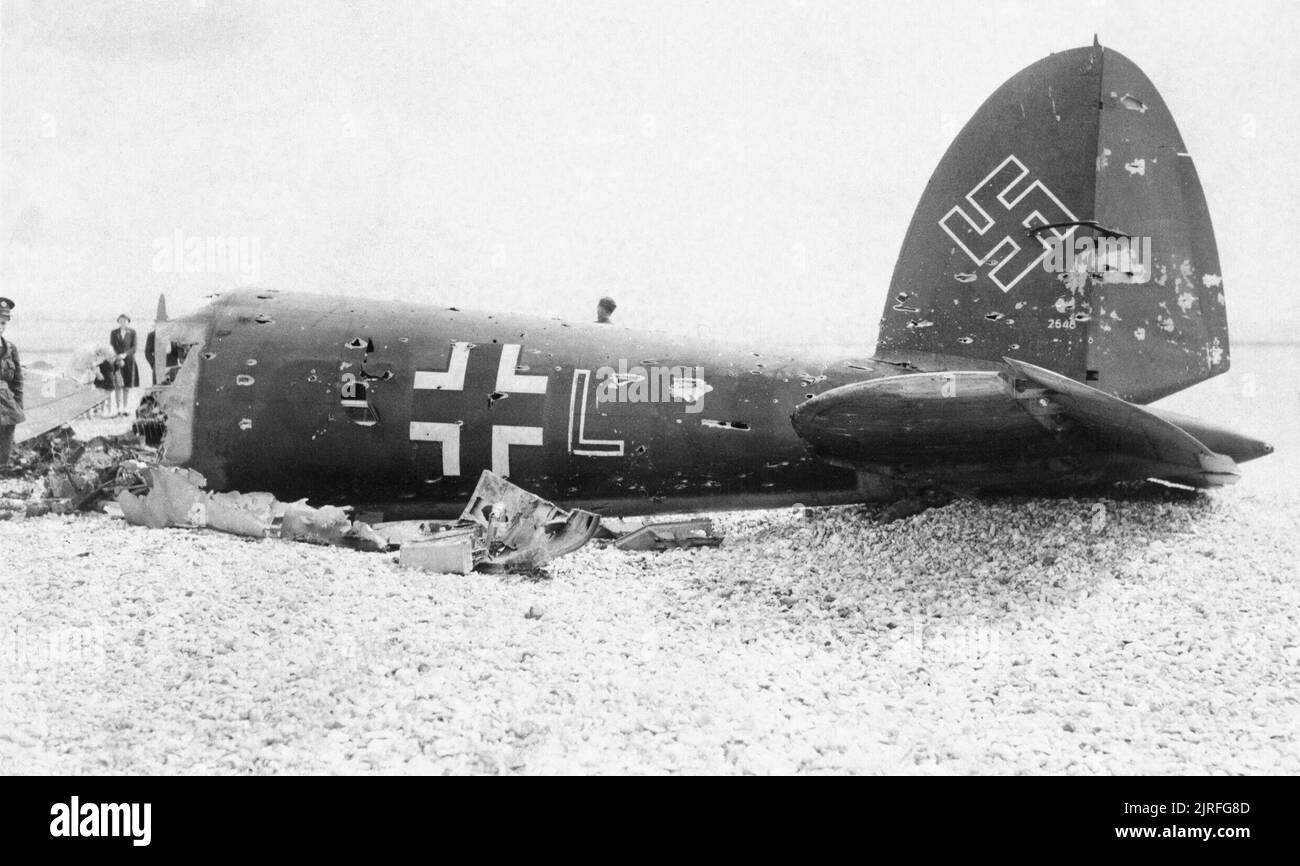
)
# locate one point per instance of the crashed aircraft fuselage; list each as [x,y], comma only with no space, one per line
[402,406]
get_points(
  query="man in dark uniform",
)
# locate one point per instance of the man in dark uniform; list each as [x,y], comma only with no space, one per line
[11,386]
[604,309]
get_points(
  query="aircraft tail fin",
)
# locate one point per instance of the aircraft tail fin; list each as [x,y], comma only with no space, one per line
[1065,226]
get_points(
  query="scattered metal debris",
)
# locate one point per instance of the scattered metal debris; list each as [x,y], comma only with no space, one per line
[451,554]
[613,528]
[503,528]
[696,532]
[522,531]
[11,507]
[325,525]
[57,473]
[175,497]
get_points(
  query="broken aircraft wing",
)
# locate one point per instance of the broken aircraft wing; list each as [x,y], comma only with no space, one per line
[55,412]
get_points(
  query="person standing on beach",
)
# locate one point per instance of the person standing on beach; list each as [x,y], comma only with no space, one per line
[126,374]
[11,386]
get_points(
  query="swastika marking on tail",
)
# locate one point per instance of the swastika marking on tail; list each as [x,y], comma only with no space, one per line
[992,203]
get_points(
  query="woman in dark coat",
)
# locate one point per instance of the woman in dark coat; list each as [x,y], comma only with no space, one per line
[125,373]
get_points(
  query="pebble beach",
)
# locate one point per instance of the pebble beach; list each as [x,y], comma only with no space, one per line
[1152,633]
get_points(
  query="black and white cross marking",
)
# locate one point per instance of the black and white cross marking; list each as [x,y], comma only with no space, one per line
[452,380]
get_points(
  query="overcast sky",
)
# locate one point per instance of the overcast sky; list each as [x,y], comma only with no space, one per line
[748,165]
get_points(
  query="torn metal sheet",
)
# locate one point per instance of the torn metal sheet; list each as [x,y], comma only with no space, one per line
[326,525]
[401,532]
[613,528]
[697,532]
[523,531]
[176,498]
[450,555]
[248,514]
[362,536]
[171,500]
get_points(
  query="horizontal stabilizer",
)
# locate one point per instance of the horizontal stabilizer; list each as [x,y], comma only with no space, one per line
[915,417]
[1129,429]
[1017,427]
